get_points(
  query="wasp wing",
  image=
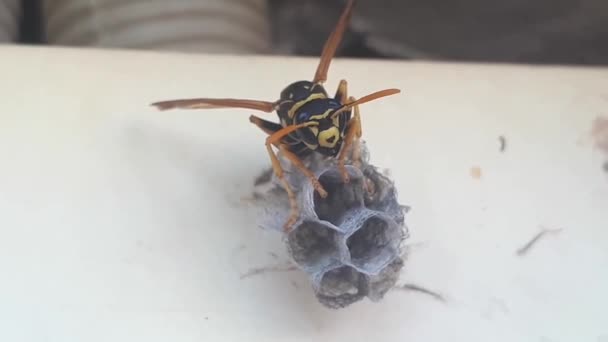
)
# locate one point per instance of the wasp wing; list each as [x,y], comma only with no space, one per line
[204,103]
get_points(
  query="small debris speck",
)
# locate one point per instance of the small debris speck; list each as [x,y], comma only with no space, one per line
[420,289]
[273,255]
[526,248]
[476,172]
[263,178]
[268,269]
[503,143]
[599,133]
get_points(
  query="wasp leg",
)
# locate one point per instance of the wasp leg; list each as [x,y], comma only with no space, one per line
[342,91]
[353,133]
[358,133]
[271,128]
[298,163]
[268,127]
[278,171]
[275,139]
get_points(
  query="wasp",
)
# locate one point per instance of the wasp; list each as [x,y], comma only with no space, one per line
[311,121]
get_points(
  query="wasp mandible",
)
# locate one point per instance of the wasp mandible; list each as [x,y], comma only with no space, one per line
[310,120]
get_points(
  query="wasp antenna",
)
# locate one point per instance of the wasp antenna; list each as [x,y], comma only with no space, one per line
[332,43]
[367,98]
[291,128]
[203,103]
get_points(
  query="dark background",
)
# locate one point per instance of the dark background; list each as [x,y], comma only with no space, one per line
[520,31]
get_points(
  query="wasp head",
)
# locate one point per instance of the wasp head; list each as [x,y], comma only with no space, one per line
[325,130]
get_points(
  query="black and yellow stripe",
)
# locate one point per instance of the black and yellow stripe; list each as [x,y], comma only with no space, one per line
[296,106]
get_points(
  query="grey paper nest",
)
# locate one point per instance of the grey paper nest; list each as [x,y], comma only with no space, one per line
[350,243]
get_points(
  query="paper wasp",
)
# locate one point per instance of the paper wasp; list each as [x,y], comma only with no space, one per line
[310,120]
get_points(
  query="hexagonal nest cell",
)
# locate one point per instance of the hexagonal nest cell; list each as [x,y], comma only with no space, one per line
[349,242]
[381,194]
[341,197]
[381,283]
[341,287]
[374,244]
[313,245]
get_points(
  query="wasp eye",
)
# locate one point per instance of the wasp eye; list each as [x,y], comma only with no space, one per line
[302,116]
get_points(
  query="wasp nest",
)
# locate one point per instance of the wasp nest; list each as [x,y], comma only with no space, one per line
[349,243]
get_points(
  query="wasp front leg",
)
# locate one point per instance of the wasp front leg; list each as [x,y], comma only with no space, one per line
[275,139]
[351,141]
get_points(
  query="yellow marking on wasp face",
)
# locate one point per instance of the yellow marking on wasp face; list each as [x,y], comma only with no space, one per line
[299,104]
[329,137]
[321,116]
[314,130]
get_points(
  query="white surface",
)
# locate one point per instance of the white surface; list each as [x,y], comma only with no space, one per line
[121,223]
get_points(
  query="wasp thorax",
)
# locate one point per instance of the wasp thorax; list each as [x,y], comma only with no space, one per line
[301,90]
